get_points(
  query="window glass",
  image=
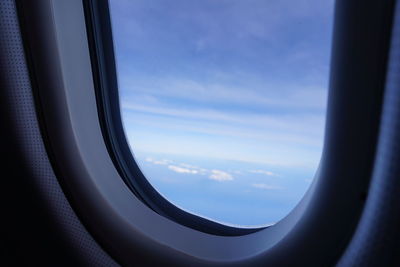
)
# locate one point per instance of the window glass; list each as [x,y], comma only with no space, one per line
[223,101]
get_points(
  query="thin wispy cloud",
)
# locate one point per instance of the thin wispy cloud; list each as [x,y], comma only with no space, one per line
[268,173]
[266,186]
[259,94]
[283,125]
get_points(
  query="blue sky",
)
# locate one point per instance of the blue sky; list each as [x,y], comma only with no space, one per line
[223,101]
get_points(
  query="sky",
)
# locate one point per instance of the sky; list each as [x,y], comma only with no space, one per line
[223,101]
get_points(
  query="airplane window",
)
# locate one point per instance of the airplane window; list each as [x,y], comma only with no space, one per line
[223,102]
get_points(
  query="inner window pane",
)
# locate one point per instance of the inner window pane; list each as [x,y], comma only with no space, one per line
[223,101]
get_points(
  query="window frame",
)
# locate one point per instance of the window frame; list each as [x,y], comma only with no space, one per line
[100,38]
[61,71]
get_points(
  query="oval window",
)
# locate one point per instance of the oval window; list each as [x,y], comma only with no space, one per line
[223,101]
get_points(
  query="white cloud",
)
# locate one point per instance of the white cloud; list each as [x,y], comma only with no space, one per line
[220,176]
[158,162]
[162,162]
[179,167]
[188,166]
[182,170]
[200,170]
[266,186]
[263,172]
